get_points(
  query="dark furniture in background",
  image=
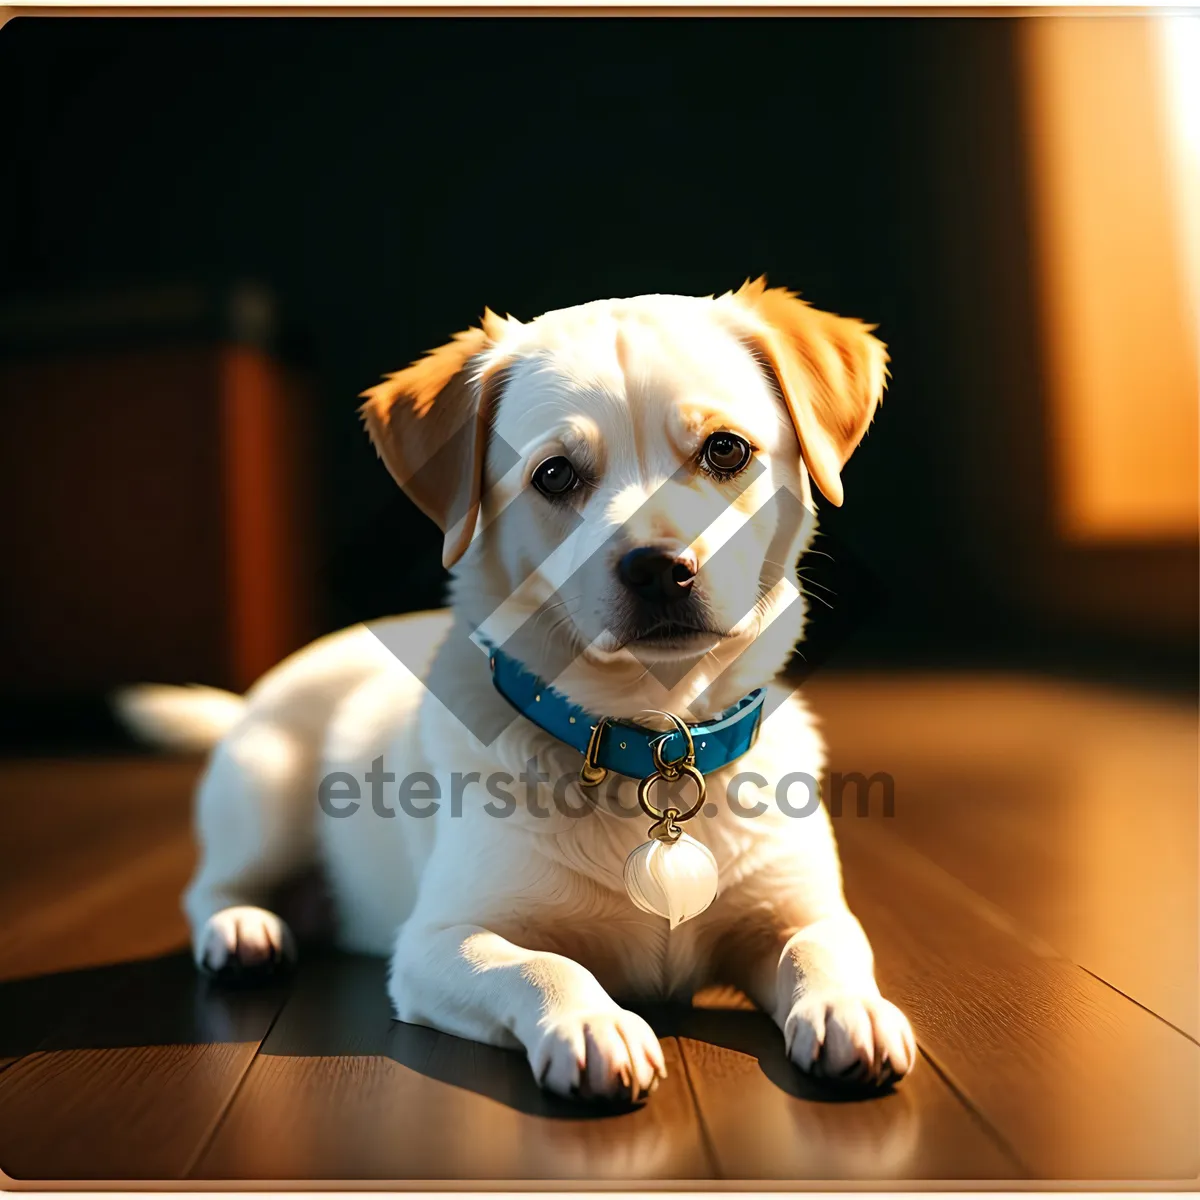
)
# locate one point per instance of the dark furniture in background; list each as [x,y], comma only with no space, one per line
[156,474]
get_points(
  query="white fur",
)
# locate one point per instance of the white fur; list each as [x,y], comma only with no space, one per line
[519,931]
[183,718]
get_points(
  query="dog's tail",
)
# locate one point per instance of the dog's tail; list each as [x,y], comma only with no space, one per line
[191,718]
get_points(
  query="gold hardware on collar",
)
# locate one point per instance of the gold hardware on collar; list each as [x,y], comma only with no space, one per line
[666,824]
[671,770]
[666,830]
[592,773]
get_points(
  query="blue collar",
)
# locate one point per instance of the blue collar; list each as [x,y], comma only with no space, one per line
[623,746]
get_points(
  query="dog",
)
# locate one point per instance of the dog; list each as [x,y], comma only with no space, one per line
[625,491]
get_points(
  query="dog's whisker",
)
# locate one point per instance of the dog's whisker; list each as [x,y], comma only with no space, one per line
[815,583]
[547,609]
[770,562]
[813,596]
[565,620]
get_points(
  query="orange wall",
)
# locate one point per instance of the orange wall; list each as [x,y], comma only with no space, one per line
[1117,300]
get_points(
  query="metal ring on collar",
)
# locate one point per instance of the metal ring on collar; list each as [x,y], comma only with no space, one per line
[672,769]
[688,769]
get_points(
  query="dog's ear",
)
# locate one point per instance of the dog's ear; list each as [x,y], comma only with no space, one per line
[830,369]
[429,424]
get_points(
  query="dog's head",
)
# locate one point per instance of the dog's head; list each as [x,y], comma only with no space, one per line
[624,486]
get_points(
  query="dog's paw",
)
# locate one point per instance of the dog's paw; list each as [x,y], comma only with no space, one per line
[610,1054]
[244,943]
[849,1038]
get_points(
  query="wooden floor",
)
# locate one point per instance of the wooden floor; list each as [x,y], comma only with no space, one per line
[1033,903]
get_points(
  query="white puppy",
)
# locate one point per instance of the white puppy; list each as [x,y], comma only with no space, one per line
[624,490]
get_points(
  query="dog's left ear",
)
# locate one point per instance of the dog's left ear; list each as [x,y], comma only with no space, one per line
[830,369]
[429,424]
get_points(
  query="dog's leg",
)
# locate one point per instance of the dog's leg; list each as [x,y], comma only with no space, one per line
[473,983]
[820,989]
[255,824]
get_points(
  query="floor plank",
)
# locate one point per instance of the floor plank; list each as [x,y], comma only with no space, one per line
[131,1087]
[765,1121]
[341,1091]
[30,1009]
[1072,808]
[130,909]
[1038,825]
[95,854]
[1081,1082]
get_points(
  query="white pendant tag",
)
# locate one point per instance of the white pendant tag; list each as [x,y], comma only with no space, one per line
[676,880]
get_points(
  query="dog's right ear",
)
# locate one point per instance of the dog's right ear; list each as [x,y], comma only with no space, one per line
[429,424]
[830,370]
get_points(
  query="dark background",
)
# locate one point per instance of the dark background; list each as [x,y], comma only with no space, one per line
[381,180]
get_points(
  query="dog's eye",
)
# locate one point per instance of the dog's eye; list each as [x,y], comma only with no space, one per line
[555,477]
[725,453]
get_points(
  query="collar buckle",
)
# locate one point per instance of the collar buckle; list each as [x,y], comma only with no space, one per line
[592,774]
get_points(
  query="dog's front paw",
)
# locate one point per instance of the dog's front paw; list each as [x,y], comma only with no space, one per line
[848,1038]
[244,943]
[602,1055]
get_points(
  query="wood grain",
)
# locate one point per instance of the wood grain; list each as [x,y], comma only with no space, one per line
[130,1087]
[341,1091]
[1037,826]
[94,854]
[1071,808]
[765,1120]
[1081,1082]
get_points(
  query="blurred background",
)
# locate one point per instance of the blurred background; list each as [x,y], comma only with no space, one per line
[216,233]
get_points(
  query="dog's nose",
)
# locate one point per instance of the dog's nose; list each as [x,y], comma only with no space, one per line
[663,572]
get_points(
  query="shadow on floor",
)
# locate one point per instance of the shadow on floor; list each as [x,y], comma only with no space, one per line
[334,1005]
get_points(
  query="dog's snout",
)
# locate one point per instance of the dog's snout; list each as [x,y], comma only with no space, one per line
[661,572]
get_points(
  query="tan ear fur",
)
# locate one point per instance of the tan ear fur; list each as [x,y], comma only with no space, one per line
[831,370]
[429,424]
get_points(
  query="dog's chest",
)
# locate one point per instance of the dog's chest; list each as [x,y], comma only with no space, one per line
[584,912]
[632,954]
